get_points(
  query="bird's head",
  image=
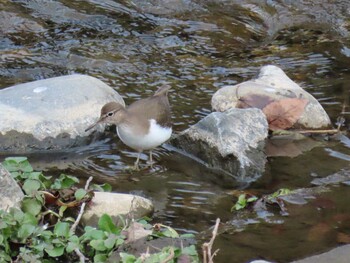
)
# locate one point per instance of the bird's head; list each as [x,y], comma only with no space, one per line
[111,113]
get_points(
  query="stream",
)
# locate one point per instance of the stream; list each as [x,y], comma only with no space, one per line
[197,46]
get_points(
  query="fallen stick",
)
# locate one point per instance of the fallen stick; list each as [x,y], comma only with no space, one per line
[207,246]
[333,131]
[74,226]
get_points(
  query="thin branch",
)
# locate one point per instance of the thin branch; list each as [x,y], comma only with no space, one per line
[82,208]
[74,226]
[207,247]
[332,131]
[170,257]
[80,255]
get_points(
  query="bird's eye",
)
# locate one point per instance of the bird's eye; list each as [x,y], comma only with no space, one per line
[110,114]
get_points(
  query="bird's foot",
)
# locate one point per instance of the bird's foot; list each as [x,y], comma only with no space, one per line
[133,168]
[136,166]
[150,163]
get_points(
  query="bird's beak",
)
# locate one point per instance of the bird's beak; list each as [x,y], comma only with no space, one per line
[100,120]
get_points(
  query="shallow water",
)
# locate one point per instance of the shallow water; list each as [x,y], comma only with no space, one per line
[197,47]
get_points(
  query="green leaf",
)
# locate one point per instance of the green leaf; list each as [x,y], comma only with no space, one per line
[252,199]
[31,205]
[4,257]
[100,258]
[25,231]
[55,251]
[280,192]
[57,242]
[29,219]
[92,233]
[44,180]
[241,203]
[110,241]
[242,199]
[72,244]
[30,186]
[64,181]
[168,232]
[127,258]
[191,250]
[101,187]
[105,223]
[62,229]
[15,164]
[17,160]
[3,225]
[79,194]
[119,242]
[98,245]
[18,215]
[46,235]
[61,210]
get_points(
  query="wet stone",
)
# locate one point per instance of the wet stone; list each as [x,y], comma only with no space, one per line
[231,141]
[51,114]
[118,206]
[272,84]
[342,176]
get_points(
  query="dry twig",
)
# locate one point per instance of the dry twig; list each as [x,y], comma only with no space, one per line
[82,208]
[207,247]
[333,131]
[170,257]
[74,226]
[80,255]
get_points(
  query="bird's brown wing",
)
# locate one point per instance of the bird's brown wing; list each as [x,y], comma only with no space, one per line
[155,107]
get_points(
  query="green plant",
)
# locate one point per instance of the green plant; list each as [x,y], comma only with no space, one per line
[243,202]
[279,193]
[167,254]
[40,231]
[260,203]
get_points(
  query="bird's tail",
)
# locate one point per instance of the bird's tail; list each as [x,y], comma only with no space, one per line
[162,90]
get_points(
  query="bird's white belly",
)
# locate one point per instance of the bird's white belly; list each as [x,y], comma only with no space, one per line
[155,137]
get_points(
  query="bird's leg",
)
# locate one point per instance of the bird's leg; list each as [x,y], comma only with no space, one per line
[136,165]
[150,159]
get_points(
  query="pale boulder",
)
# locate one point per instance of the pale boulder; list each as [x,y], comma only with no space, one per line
[51,114]
[116,205]
[273,83]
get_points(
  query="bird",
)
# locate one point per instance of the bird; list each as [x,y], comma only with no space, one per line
[143,125]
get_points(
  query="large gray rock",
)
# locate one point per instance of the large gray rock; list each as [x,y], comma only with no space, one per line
[10,193]
[231,141]
[51,113]
[272,83]
[116,205]
[336,255]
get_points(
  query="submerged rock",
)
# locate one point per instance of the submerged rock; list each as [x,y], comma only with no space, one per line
[10,193]
[52,113]
[271,86]
[116,205]
[231,141]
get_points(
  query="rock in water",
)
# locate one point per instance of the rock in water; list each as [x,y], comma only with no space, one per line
[271,86]
[116,205]
[52,113]
[232,141]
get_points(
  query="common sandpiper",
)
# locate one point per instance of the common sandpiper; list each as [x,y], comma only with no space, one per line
[143,125]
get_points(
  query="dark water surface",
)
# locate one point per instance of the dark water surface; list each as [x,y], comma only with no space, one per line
[196,46]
